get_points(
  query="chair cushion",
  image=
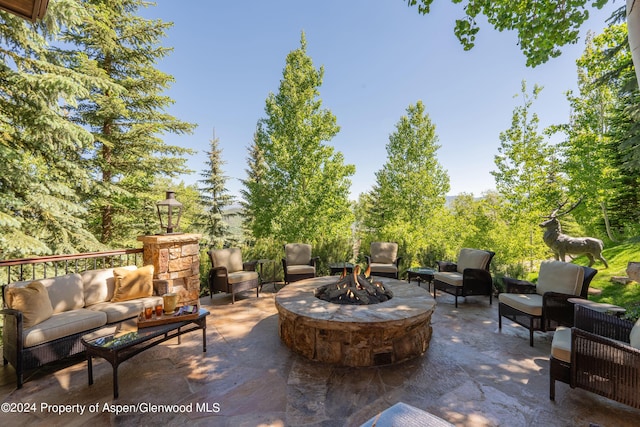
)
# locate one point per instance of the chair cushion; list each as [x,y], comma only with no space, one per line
[527,303]
[561,344]
[230,258]
[301,269]
[297,253]
[99,285]
[383,268]
[451,277]
[634,336]
[241,276]
[558,276]
[32,300]
[384,252]
[123,310]
[63,324]
[472,258]
[133,284]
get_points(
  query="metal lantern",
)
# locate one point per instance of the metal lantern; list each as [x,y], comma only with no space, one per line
[169,212]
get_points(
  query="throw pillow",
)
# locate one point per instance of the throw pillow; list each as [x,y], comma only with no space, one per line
[33,301]
[132,284]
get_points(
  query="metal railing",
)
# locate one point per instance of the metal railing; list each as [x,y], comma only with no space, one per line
[16,270]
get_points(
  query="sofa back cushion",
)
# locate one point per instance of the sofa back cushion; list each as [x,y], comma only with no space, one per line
[132,284]
[230,258]
[558,276]
[297,253]
[384,252]
[99,285]
[65,292]
[32,300]
[472,258]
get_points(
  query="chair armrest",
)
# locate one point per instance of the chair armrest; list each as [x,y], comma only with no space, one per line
[556,308]
[447,266]
[12,312]
[602,324]
[314,260]
[397,263]
[515,286]
[160,286]
[478,274]
[249,265]
[8,331]
[368,258]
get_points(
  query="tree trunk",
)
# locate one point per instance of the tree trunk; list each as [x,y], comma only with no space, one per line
[606,222]
[633,30]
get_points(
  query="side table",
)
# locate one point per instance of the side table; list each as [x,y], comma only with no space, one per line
[263,279]
[422,274]
[599,306]
[338,268]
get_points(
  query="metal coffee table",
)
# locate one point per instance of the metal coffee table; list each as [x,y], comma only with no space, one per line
[123,341]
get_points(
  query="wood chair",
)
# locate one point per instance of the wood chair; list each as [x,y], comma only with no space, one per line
[544,306]
[600,354]
[468,276]
[384,260]
[229,274]
[298,264]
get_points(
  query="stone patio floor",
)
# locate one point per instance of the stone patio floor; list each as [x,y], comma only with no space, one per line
[471,375]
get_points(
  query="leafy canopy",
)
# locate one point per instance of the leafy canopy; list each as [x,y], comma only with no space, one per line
[542,25]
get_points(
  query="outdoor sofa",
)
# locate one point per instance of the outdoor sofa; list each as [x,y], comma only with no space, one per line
[45,319]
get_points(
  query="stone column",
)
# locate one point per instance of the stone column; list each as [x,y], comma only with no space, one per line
[176,259]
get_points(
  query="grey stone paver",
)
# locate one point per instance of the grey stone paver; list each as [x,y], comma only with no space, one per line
[471,375]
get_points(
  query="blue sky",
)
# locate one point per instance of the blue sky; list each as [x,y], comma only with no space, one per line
[379,57]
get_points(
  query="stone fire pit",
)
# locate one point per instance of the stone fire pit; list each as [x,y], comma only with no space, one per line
[355,335]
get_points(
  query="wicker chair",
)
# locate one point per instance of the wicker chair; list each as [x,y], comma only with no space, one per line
[544,307]
[468,276]
[229,274]
[600,354]
[384,260]
[298,263]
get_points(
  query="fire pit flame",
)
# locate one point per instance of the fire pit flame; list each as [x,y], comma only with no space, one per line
[355,289]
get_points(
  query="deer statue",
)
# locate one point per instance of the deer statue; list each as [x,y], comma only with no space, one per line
[562,244]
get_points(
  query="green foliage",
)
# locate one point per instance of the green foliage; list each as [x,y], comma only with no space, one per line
[126,125]
[543,26]
[527,179]
[301,188]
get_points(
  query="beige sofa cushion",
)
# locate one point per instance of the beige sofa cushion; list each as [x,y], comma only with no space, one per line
[527,303]
[558,276]
[384,252]
[297,253]
[63,324]
[99,285]
[65,292]
[32,300]
[119,311]
[561,344]
[472,258]
[132,284]
[230,258]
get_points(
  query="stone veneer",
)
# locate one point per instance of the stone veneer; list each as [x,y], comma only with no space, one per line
[176,259]
[355,335]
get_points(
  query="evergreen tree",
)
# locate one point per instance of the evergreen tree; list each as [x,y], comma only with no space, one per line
[214,197]
[304,194]
[252,197]
[40,212]
[126,125]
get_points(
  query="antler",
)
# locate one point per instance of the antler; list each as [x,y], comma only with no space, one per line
[555,213]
